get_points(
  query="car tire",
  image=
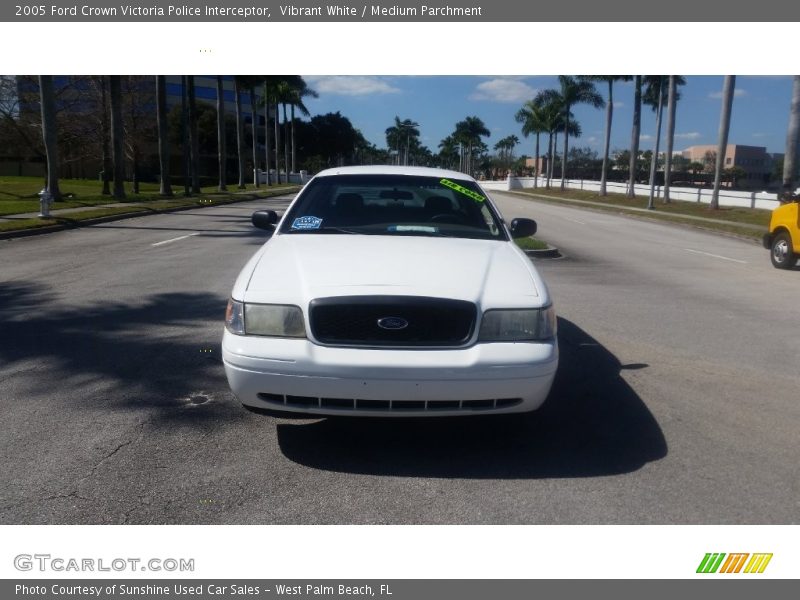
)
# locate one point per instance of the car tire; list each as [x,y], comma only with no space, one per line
[781,252]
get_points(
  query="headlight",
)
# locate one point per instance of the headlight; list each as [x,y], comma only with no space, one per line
[234,317]
[518,325]
[274,320]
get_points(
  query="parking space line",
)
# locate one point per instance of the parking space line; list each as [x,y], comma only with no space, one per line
[736,260]
[169,241]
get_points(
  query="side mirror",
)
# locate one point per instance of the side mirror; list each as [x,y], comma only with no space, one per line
[264,219]
[521,228]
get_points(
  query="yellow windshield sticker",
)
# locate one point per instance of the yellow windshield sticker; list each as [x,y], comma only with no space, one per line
[461,189]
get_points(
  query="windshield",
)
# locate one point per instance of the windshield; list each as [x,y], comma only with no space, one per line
[394,205]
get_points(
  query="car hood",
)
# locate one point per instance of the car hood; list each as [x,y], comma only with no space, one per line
[296,268]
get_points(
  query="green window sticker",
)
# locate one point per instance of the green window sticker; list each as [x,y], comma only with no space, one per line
[462,190]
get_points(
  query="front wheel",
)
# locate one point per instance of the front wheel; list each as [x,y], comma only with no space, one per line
[782,254]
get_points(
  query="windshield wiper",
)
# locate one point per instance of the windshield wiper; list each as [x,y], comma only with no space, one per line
[326,230]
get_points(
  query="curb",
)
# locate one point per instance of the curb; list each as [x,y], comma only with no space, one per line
[549,252]
[72,224]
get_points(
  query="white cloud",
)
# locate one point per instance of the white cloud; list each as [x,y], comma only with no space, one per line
[504,89]
[691,135]
[646,137]
[591,140]
[619,104]
[345,85]
[737,93]
[760,135]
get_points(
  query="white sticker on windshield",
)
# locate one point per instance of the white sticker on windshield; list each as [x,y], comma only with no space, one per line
[307,223]
[420,228]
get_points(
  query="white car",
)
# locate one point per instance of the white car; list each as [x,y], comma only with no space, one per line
[390,291]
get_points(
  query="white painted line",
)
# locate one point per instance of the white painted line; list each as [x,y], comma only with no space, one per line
[741,262]
[183,237]
[574,221]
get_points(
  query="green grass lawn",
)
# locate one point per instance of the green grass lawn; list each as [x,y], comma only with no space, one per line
[738,221]
[20,194]
[531,243]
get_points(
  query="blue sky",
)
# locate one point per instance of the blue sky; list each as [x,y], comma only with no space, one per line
[760,108]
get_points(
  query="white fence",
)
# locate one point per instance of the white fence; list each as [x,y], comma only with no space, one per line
[301,177]
[761,200]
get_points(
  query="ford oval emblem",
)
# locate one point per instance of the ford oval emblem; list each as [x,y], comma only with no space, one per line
[392,323]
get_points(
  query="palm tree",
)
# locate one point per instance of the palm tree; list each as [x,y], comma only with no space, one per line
[469,133]
[266,104]
[399,135]
[194,138]
[673,95]
[573,91]
[298,90]
[221,156]
[635,134]
[654,94]
[251,90]
[165,188]
[532,115]
[100,83]
[609,79]
[187,163]
[553,116]
[728,87]
[792,139]
[506,149]
[237,96]
[49,133]
[671,102]
[117,142]
[448,152]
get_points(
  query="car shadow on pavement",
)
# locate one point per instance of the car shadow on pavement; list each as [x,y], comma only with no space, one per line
[592,424]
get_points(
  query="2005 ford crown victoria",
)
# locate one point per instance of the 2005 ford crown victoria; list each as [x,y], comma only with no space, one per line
[390,291]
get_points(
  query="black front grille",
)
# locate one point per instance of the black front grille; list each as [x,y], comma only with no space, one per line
[406,320]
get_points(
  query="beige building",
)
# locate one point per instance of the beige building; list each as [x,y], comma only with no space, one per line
[756,162]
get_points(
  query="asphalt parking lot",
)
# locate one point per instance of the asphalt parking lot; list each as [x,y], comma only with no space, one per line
[676,399]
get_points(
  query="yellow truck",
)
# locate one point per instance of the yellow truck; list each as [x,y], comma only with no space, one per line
[783,238]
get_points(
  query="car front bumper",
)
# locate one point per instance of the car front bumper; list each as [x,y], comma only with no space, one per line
[298,376]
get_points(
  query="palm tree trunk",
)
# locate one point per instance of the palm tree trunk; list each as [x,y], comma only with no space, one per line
[237,93]
[105,143]
[277,143]
[135,169]
[536,164]
[266,135]
[187,168]
[117,147]
[728,88]
[294,164]
[254,122]
[165,187]
[285,143]
[548,171]
[566,147]
[194,139]
[792,139]
[635,133]
[49,133]
[670,135]
[607,142]
[221,158]
[654,160]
